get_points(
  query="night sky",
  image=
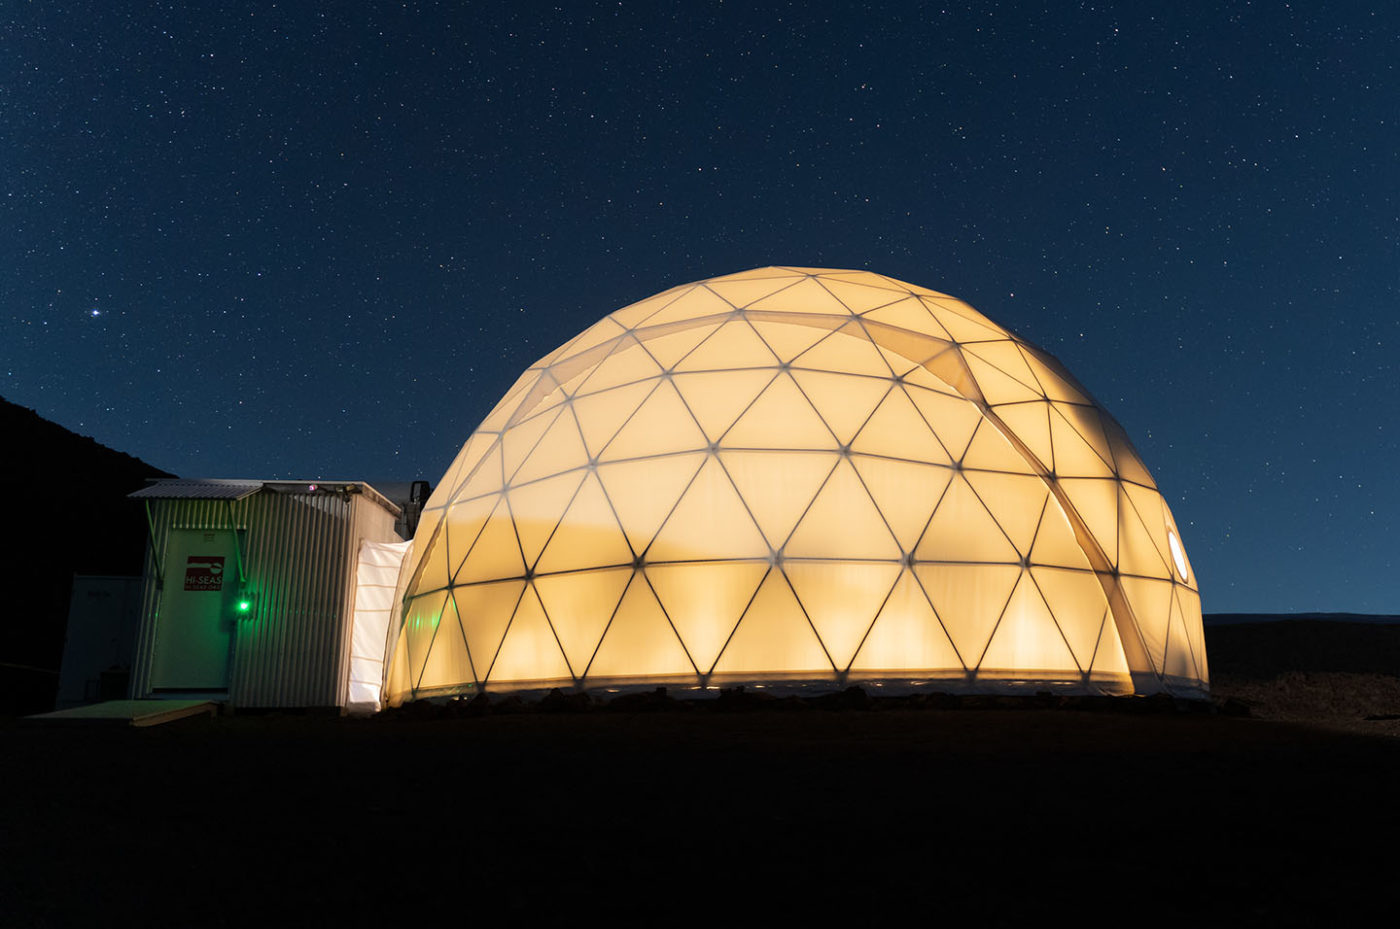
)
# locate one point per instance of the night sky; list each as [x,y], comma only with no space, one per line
[321,240]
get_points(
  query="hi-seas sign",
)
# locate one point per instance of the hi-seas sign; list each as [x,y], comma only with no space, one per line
[204,572]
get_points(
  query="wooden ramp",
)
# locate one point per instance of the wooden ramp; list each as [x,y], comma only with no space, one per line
[126,713]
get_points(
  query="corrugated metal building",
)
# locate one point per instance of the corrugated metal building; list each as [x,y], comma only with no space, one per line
[250,589]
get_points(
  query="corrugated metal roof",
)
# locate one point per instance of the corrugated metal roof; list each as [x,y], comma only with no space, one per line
[199,490]
[224,489]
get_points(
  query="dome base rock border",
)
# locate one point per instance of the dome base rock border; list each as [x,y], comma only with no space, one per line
[803,476]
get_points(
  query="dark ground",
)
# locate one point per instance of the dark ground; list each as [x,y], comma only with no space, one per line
[1002,815]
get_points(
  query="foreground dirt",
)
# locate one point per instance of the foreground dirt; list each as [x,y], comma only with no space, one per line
[1343,676]
[996,815]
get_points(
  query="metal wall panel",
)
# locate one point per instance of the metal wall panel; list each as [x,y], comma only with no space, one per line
[299,552]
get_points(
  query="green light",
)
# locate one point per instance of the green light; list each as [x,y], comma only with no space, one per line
[244,606]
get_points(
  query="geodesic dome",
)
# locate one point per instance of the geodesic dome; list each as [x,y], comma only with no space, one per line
[794,474]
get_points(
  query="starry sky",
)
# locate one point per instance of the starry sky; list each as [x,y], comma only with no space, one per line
[321,240]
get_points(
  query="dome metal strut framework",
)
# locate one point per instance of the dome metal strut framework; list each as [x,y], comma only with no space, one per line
[805,475]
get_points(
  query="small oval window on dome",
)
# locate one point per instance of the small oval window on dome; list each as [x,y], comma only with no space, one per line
[1178,555]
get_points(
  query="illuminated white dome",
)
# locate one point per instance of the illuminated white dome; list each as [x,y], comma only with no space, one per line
[805,475]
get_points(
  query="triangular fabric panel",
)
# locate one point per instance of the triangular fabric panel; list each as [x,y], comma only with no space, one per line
[604,330]
[496,552]
[486,478]
[548,393]
[600,416]
[952,419]
[806,296]
[958,326]
[905,493]
[537,508]
[990,450]
[486,610]
[969,600]
[1190,602]
[518,441]
[638,313]
[434,572]
[530,651]
[786,339]
[1015,502]
[717,400]
[559,449]
[1086,421]
[579,607]
[1027,637]
[644,492]
[1006,357]
[661,425]
[1137,551]
[628,363]
[588,536]
[711,521]
[448,664]
[996,385]
[778,487]
[476,448]
[843,522]
[907,636]
[1151,602]
[962,530]
[841,599]
[697,303]
[1075,456]
[847,350]
[669,344]
[704,602]
[774,636]
[1055,386]
[420,625]
[465,523]
[843,402]
[859,298]
[640,640]
[781,417]
[568,376]
[943,372]
[1096,502]
[948,304]
[733,345]
[1128,464]
[1076,600]
[1149,507]
[501,413]
[906,352]
[1055,541]
[1030,422]
[1179,660]
[1108,655]
[909,313]
[743,292]
[897,430]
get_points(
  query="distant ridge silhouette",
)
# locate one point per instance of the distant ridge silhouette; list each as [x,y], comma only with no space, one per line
[68,514]
[1228,619]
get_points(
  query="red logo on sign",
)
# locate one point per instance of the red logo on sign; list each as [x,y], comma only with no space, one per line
[204,572]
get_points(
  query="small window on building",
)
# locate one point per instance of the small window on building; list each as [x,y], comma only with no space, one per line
[1178,555]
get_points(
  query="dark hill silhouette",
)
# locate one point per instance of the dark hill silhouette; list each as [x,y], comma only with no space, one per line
[68,514]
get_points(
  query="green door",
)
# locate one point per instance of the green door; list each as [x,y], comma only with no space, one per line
[194,626]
